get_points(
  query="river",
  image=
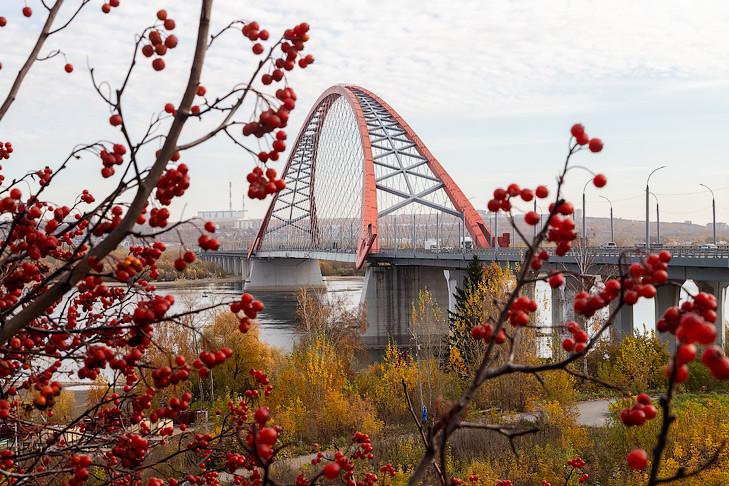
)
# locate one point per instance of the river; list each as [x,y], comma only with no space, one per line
[277,318]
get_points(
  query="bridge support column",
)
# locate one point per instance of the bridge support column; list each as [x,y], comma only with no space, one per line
[623,324]
[284,274]
[718,290]
[389,292]
[666,296]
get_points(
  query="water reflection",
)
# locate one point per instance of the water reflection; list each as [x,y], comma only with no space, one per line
[277,319]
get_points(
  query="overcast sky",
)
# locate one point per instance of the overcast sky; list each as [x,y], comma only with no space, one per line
[491,87]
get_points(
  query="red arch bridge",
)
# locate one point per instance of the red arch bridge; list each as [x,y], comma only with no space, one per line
[362,187]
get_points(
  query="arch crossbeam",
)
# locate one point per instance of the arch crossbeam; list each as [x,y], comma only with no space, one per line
[356,171]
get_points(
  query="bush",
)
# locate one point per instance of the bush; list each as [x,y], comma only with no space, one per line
[638,363]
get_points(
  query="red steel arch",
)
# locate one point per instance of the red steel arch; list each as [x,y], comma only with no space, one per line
[368,230]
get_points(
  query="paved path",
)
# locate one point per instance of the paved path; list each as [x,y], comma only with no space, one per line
[594,413]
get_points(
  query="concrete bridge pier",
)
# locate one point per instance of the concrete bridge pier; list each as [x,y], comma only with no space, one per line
[718,290]
[389,292]
[284,274]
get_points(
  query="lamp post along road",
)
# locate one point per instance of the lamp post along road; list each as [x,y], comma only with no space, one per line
[612,232]
[584,228]
[658,220]
[713,210]
[647,209]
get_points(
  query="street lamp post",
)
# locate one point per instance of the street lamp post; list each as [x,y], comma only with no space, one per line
[713,209]
[647,209]
[658,221]
[584,228]
[612,232]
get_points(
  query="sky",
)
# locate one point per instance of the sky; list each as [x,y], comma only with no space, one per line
[491,88]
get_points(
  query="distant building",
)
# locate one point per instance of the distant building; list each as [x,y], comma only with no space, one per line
[226,219]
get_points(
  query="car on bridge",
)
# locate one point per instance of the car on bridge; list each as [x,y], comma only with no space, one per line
[609,244]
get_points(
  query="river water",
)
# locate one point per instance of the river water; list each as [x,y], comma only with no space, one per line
[278,328]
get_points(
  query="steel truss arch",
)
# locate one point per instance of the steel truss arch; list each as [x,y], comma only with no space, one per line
[360,145]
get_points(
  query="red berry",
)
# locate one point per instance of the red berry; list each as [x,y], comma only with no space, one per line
[595,145]
[600,180]
[638,459]
[556,280]
[568,344]
[210,227]
[531,218]
[331,471]
[577,130]
[169,24]
[27,11]
[542,192]
[148,50]
[171,41]
[257,48]
[68,68]
[115,120]
[158,64]
[3,22]
[106,8]
[162,14]
[201,90]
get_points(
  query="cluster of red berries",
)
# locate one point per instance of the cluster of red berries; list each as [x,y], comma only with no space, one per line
[106,8]
[518,314]
[502,198]
[270,120]
[128,268]
[181,263]
[578,341]
[110,159]
[581,138]
[5,150]
[504,482]
[253,32]
[644,275]
[577,463]
[249,307]
[165,376]
[207,243]
[693,321]
[714,359]
[365,447]
[158,217]
[208,361]
[46,397]
[279,145]
[131,449]
[587,304]
[486,332]
[157,44]
[175,407]
[294,43]
[96,359]
[260,186]
[562,230]
[638,413]
[80,473]
[173,183]
[388,469]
